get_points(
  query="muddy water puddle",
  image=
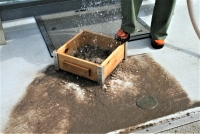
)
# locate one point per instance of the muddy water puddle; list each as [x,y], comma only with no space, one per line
[60,102]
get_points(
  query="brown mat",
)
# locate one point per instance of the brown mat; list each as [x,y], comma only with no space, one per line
[63,102]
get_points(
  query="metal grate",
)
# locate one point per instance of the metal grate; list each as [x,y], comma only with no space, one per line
[193,127]
[63,26]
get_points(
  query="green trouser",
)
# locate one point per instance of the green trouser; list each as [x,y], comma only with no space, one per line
[161,18]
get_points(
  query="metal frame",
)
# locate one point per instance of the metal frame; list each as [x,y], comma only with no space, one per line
[2,36]
[171,124]
[125,50]
[143,23]
[141,36]
[55,57]
[100,75]
[162,124]
[45,35]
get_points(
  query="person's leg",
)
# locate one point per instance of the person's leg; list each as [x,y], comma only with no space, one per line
[161,18]
[130,9]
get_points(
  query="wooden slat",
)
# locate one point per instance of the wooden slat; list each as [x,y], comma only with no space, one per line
[113,60]
[82,71]
[79,62]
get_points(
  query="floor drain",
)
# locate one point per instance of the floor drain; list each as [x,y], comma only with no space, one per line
[147,102]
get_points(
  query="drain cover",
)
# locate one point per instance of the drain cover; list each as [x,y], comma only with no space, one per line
[147,102]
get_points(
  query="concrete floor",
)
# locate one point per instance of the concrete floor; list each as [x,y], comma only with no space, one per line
[22,58]
[181,54]
[25,55]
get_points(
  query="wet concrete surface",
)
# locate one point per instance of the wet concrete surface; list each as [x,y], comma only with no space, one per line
[57,101]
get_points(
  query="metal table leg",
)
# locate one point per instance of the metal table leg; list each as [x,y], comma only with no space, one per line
[2,36]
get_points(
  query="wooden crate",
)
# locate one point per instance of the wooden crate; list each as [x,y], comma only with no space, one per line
[92,71]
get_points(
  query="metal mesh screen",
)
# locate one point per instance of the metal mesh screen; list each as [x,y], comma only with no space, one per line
[104,20]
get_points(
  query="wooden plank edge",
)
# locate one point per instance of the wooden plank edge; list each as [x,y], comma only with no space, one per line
[63,47]
[113,60]
[77,69]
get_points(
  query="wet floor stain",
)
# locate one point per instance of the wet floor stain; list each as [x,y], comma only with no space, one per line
[61,102]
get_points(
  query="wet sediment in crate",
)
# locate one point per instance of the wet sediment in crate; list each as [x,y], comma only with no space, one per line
[91,53]
[60,102]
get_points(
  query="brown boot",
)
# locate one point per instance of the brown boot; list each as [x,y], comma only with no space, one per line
[122,36]
[157,44]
